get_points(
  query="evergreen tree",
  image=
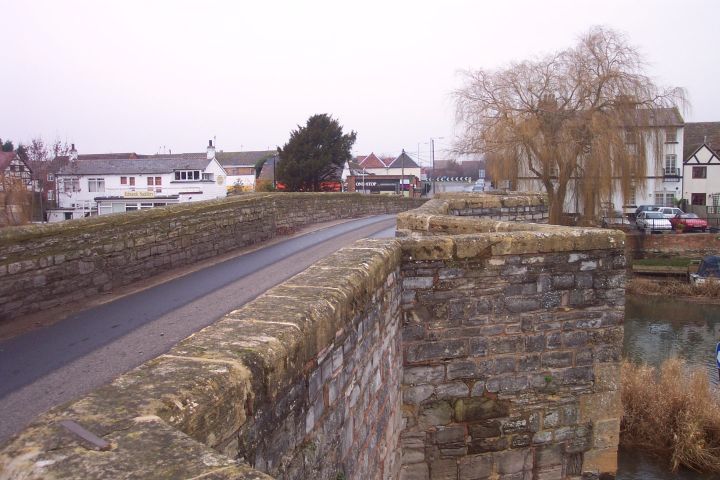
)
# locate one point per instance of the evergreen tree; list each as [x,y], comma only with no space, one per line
[7,146]
[314,154]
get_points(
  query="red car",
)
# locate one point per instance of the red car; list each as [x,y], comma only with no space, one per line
[689,221]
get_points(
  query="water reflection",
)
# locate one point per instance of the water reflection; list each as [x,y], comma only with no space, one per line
[659,328]
[655,330]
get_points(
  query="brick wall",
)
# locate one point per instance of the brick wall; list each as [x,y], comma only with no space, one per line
[43,266]
[672,244]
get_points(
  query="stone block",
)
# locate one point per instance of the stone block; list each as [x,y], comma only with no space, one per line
[476,467]
[435,414]
[480,408]
[436,351]
[417,394]
[424,374]
[444,470]
[418,471]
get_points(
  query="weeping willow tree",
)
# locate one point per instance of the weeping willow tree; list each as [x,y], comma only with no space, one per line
[583,121]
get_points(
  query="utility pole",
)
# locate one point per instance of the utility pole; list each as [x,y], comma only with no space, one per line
[402,173]
[432,144]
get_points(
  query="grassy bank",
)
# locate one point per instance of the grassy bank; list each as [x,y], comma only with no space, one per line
[675,288]
[664,262]
[673,413]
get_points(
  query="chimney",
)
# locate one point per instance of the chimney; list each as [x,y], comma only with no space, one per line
[73,153]
[210,150]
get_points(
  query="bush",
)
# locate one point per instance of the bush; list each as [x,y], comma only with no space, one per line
[673,413]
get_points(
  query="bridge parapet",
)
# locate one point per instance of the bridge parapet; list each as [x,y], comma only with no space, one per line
[448,353]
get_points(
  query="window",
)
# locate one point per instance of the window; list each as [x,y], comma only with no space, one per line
[207,176]
[671,135]
[96,185]
[697,199]
[51,194]
[632,198]
[131,207]
[123,180]
[154,184]
[187,175]
[132,181]
[629,137]
[670,162]
[50,177]
[68,185]
[665,199]
[699,172]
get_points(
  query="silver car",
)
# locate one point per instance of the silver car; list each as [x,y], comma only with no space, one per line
[653,222]
[669,212]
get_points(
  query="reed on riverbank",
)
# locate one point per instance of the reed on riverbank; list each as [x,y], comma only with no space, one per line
[676,288]
[673,413]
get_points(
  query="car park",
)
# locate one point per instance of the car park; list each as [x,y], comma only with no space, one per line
[686,222]
[652,221]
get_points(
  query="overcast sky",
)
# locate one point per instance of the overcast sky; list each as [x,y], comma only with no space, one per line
[139,75]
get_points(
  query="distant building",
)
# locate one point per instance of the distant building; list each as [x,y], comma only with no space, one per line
[14,173]
[103,184]
[660,185]
[701,167]
[242,167]
[372,174]
[16,190]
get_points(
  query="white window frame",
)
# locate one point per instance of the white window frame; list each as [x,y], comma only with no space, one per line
[671,164]
[96,185]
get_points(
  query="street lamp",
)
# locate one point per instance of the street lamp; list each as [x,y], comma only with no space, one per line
[432,143]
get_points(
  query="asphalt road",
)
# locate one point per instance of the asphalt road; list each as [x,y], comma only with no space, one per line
[58,363]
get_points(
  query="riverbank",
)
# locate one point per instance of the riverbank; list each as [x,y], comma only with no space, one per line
[673,413]
[673,288]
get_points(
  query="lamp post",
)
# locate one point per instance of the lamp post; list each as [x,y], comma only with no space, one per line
[432,144]
[402,173]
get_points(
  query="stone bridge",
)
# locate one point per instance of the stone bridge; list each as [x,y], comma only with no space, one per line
[476,345]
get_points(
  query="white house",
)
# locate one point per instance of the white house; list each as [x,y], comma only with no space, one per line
[99,186]
[241,167]
[701,167]
[662,182]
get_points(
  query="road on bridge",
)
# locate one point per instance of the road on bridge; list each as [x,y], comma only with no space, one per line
[60,362]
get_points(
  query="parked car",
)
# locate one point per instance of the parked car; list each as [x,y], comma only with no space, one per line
[709,270]
[688,221]
[644,208]
[616,220]
[669,212]
[652,221]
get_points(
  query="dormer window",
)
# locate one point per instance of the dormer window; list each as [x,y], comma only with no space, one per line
[671,135]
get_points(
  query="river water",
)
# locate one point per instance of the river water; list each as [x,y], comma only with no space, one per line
[656,329]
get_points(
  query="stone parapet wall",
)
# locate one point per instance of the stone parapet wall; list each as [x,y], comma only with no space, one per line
[511,347]
[43,266]
[303,382]
[455,213]
[450,353]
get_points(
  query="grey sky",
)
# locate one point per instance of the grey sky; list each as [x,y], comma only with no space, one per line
[137,75]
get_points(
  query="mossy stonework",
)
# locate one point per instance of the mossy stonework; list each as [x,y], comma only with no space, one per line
[44,266]
[481,349]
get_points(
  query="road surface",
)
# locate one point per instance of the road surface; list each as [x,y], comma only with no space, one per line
[58,363]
